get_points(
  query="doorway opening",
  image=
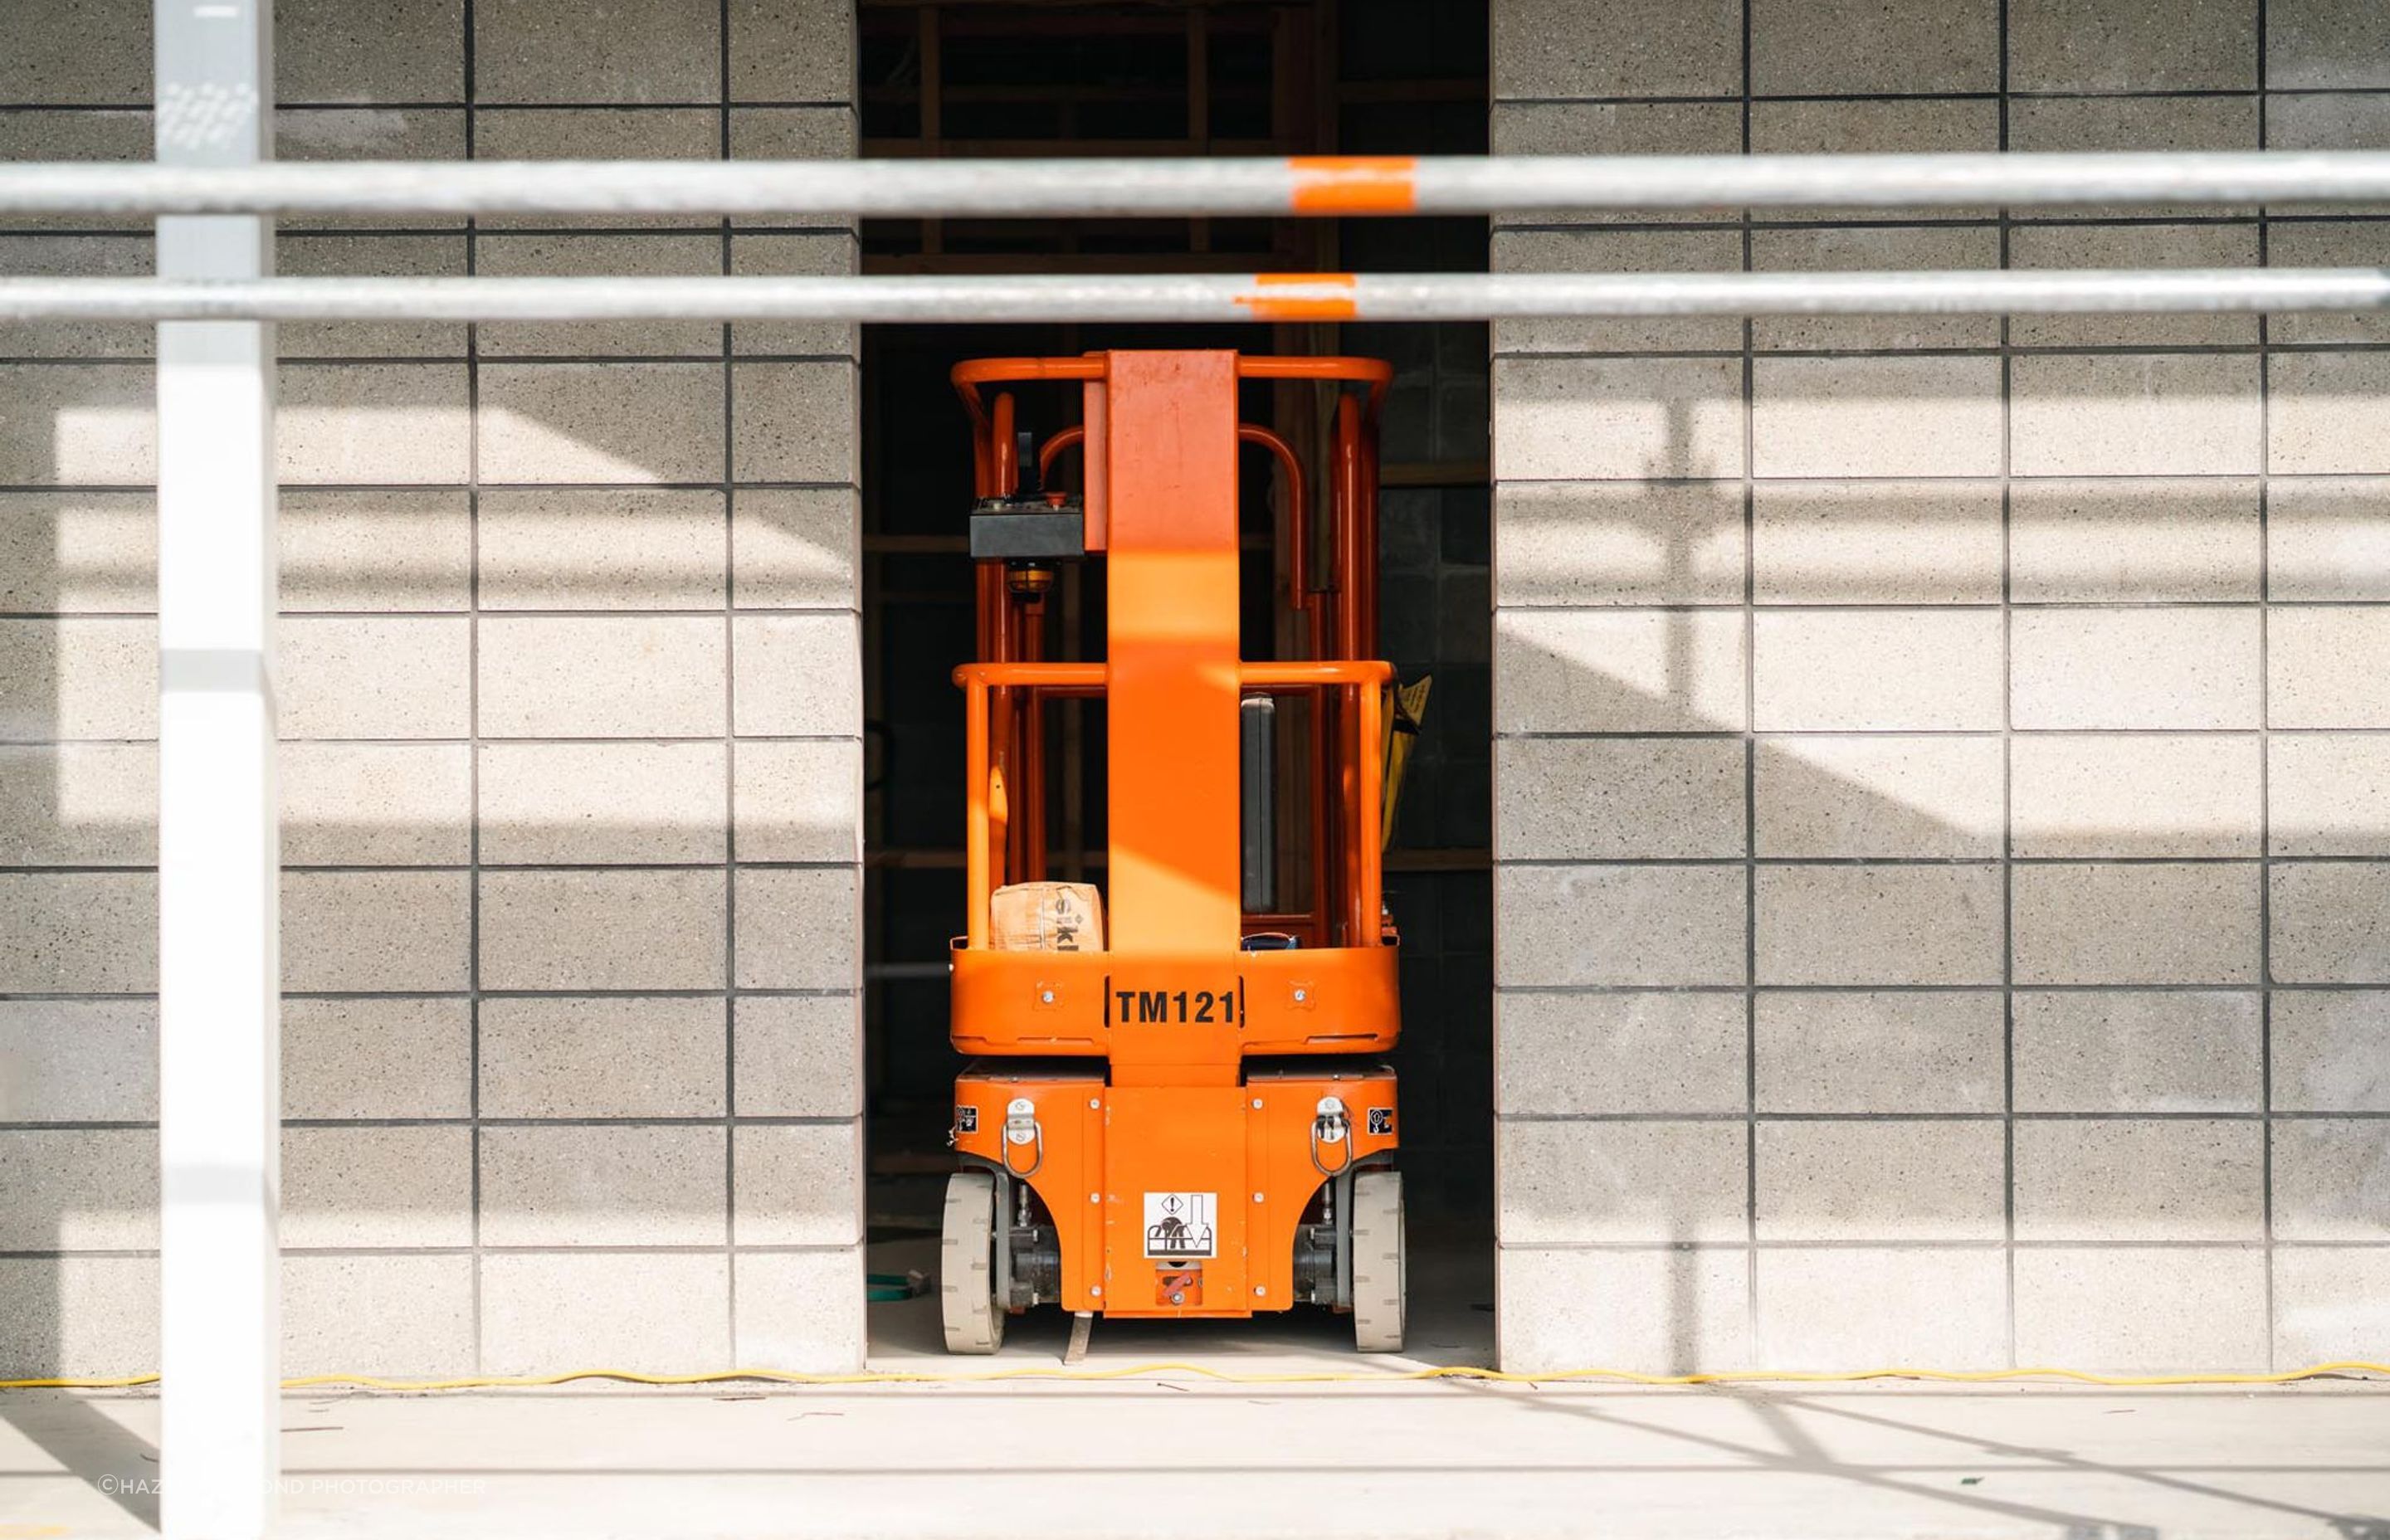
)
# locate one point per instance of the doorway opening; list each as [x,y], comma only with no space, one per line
[1396,77]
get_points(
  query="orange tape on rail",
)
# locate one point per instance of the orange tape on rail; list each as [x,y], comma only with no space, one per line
[1354,184]
[1265,306]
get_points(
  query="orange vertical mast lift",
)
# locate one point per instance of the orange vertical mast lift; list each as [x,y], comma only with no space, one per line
[1173,1107]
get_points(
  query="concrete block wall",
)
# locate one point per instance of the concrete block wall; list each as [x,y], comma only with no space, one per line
[570,685]
[1942,839]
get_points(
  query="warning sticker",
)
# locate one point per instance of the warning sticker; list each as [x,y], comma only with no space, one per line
[1178,1224]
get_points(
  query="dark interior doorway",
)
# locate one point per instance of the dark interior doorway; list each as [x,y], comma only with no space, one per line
[1396,76]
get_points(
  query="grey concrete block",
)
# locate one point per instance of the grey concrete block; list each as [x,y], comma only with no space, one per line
[1872,248]
[1826,47]
[2136,246]
[797,1056]
[1876,542]
[627,423]
[78,425]
[375,931]
[79,1189]
[800,928]
[2136,794]
[584,51]
[1589,542]
[367,1058]
[1603,419]
[376,803]
[1934,414]
[354,550]
[1627,671]
[645,676]
[1879,925]
[2138,123]
[798,800]
[791,50]
[2326,44]
[1619,925]
[2329,243]
[2142,1310]
[377,422]
[1878,794]
[801,1310]
[2331,1051]
[94,1316]
[1557,48]
[646,1310]
[2133,46]
[794,547]
[1878,1051]
[810,253]
[375,134]
[1940,1305]
[77,133]
[797,675]
[598,134]
[345,255]
[627,929]
[824,133]
[1877,670]
[2328,538]
[78,1060]
[78,552]
[79,52]
[1594,249]
[77,678]
[2139,1179]
[383,1187]
[1824,126]
[1630,1052]
[603,1184]
[2323,668]
[2150,667]
[794,422]
[77,256]
[2329,793]
[1881,1180]
[2331,1302]
[2136,415]
[796,1184]
[79,804]
[2331,922]
[2331,1179]
[575,803]
[1578,1182]
[694,254]
[1662,1311]
[2093,541]
[1561,127]
[78,932]
[603,1057]
[2139,923]
[2329,414]
[339,51]
[400,1316]
[375,676]
[2136,1051]
[1618,798]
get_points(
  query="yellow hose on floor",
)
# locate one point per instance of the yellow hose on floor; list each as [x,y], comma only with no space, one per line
[1322,1377]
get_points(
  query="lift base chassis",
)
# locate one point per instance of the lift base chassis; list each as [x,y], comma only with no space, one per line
[1215,1201]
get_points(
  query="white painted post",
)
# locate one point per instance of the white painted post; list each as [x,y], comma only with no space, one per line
[219,844]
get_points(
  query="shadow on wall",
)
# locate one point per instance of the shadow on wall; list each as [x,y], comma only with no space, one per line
[1972,634]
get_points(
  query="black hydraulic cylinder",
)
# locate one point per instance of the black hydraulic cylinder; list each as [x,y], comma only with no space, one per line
[1258,739]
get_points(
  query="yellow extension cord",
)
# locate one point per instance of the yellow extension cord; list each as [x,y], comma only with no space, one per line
[1146,1371]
